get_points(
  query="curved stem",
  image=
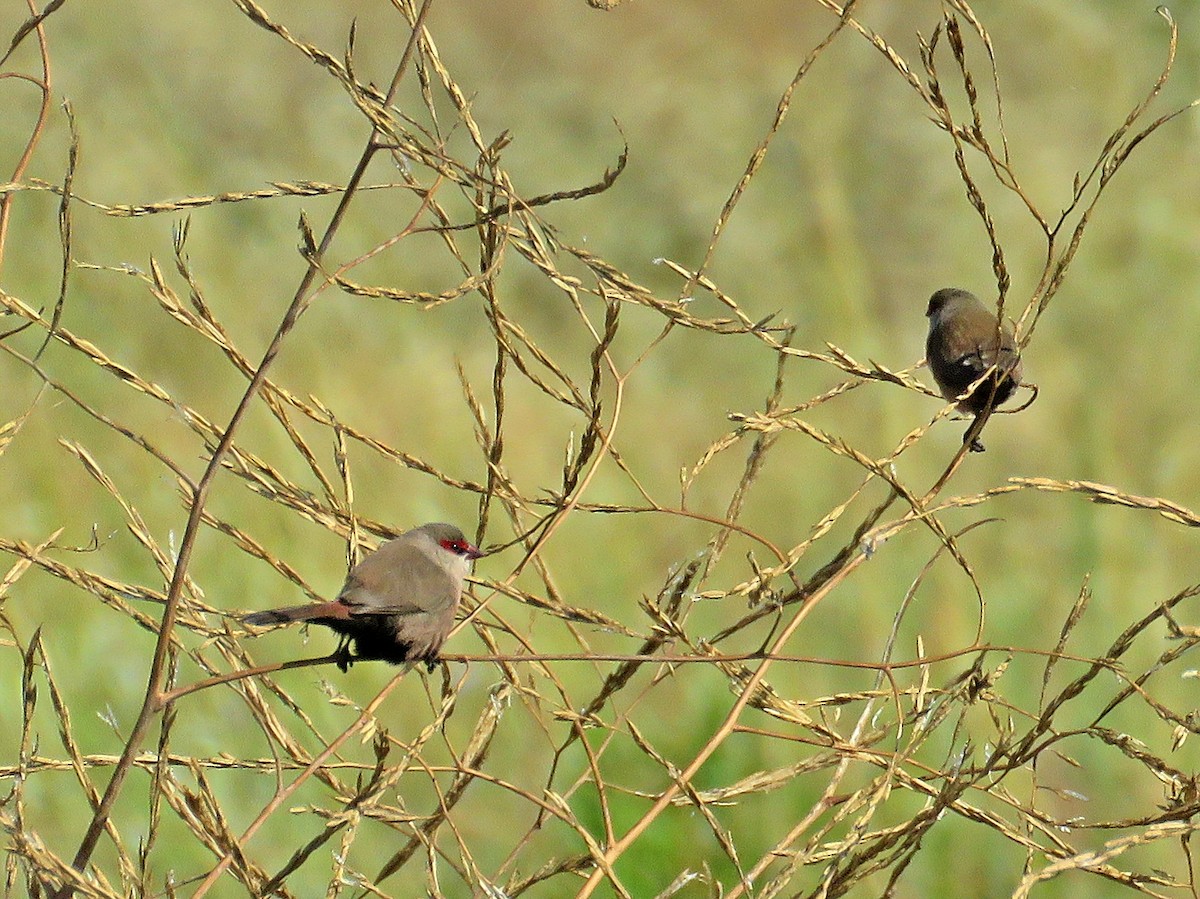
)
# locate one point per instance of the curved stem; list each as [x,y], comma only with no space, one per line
[155,698]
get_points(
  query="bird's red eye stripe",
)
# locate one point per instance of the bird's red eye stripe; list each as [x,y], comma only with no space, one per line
[461,548]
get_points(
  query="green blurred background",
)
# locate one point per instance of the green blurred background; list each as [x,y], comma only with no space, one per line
[856,217]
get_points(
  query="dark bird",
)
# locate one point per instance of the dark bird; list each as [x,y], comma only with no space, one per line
[965,342]
[398,604]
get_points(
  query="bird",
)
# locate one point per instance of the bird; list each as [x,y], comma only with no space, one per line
[398,604]
[965,341]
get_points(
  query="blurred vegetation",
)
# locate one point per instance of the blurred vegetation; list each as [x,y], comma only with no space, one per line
[857,214]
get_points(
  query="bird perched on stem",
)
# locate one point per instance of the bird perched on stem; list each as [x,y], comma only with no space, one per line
[398,604]
[967,341]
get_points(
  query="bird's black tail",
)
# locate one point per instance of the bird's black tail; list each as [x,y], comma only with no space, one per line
[306,612]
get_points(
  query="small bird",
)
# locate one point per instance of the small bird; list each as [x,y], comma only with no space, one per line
[964,342]
[398,604]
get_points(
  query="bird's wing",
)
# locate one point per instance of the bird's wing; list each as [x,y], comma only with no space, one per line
[976,355]
[398,579]
[973,363]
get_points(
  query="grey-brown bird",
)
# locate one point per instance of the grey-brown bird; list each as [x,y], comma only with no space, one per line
[964,342]
[398,604]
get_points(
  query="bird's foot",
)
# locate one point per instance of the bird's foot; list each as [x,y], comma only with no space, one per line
[342,657]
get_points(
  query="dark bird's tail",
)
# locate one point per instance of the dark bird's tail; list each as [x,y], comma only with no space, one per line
[313,611]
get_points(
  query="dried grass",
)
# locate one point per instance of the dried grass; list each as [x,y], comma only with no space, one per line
[881,767]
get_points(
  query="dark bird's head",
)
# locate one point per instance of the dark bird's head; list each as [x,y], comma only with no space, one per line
[949,301]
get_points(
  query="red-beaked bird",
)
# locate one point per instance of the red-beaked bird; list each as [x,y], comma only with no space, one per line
[398,604]
[964,342]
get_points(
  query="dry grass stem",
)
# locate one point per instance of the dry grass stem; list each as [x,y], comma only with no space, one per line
[536,760]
